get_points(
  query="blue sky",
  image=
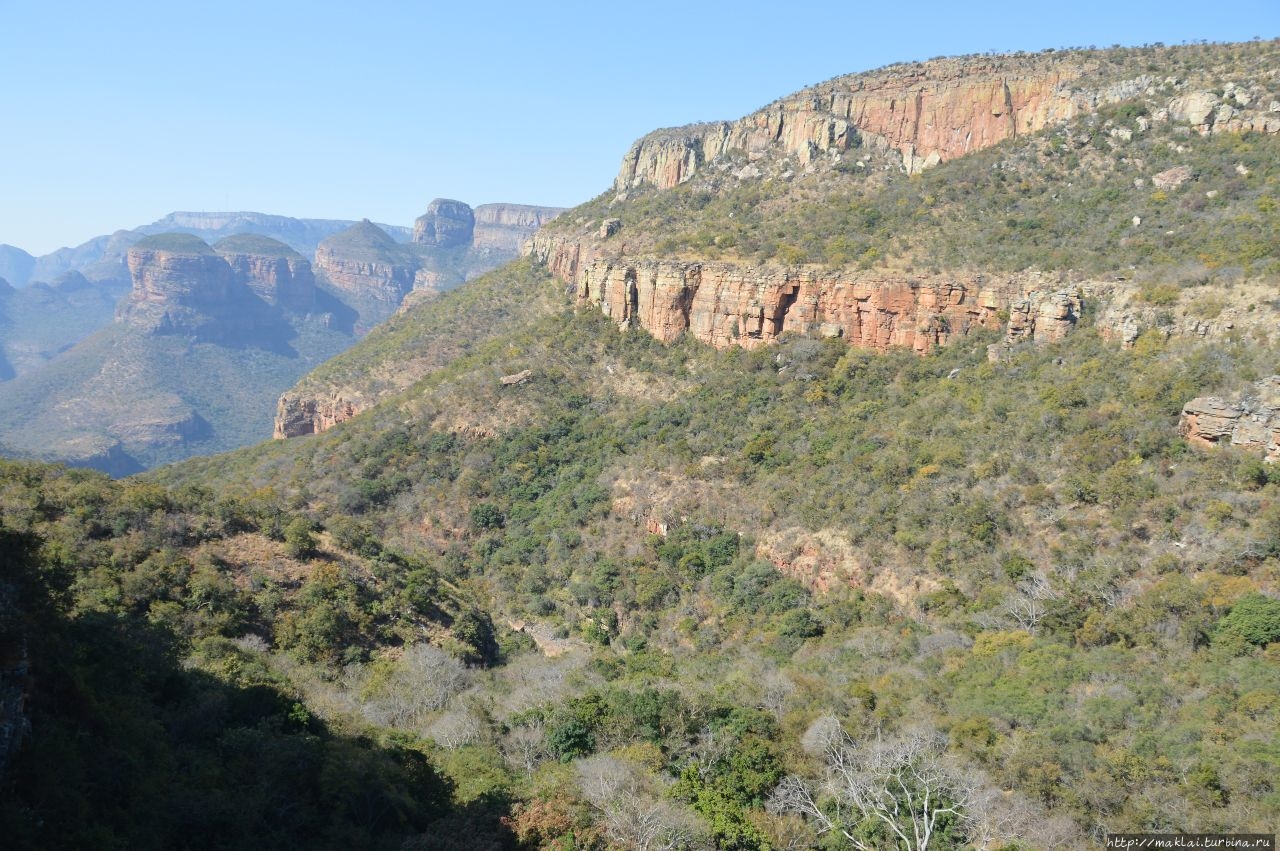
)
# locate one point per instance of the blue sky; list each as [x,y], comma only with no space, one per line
[112,115]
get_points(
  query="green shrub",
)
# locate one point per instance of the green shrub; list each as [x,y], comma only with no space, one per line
[1255,618]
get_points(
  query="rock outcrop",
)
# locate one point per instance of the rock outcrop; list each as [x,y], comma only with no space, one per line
[1250,421]
[727,304]
[365,262]
[506,227]
[926,113]
[1039,316]
[298,415]
[272,270]
[445,224]
[181,286]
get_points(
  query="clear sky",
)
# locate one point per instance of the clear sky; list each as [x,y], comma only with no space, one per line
[114,114]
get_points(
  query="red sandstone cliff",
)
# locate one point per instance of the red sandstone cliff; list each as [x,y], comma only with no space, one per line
[726,304]
[273,271]
[927,112]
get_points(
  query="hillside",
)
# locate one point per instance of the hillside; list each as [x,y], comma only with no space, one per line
[657,538]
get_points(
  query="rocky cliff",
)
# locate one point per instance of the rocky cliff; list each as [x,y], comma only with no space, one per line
[180,286]
[445,224]
[928,112]
[365,262]
[1250,420]
[271,270]
[298,415]
[506,227]
[726,304]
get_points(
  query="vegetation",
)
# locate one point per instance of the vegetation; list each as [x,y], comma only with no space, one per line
[249,243]
[803,596]
[181,243]
[1064,199]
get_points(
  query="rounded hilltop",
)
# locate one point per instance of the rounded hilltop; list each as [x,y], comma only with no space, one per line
[364,237]
[175,243]
[252,243]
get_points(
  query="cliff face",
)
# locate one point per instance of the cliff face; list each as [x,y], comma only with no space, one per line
[726,304]
[271,270]
[300,414]
[1250,421]
[929,112]
[179,287]
[506,227]
[445,224]
[367,263]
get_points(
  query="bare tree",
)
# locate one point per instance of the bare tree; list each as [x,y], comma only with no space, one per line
[456,728]
[423,681]
[632,814]
[525,746]
[899,785]
[1026,606]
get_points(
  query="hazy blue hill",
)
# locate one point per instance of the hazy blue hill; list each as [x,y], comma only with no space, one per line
[159,398]
[303,235]
[366,241]
[40,321]
[15,265]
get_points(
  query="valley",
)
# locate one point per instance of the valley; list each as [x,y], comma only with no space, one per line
[919,427]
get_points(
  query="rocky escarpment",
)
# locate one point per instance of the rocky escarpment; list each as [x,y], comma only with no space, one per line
[181,286]
[1251,420]
[930,112]
[927,112]
[506,227]
[365,262]
[445,224]
[298,415]
[727,304]
[272,270]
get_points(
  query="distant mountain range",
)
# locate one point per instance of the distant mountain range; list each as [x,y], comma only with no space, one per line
[223,312]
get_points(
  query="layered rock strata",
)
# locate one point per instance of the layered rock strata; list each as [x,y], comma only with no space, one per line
[271,270]
[927,113]
[726,304]
[364,261]
[445,224]
[298,415]
[1251,421]
[180,286]
[1039,316]
[506,227]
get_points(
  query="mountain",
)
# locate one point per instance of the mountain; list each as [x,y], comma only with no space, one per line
[821,212]
[756,507]
[15,265]
[255,311]
[451,243]
[302,235]
[40,321]
[198,350]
